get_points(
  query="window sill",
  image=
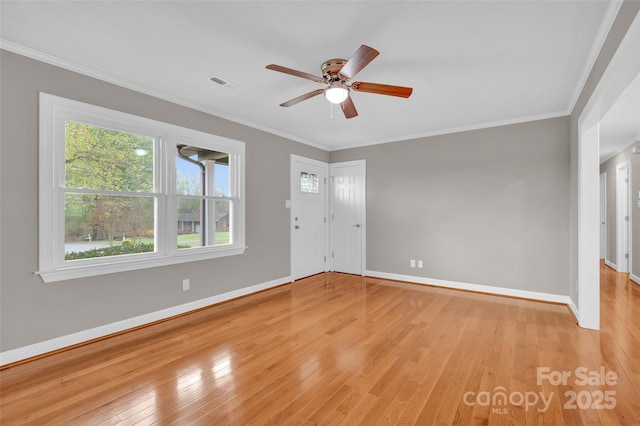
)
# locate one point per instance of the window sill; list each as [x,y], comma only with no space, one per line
[122,265]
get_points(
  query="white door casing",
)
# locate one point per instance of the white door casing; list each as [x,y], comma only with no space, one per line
[588,284]
[603,216]
[309,212]
[623,216]
[348,225]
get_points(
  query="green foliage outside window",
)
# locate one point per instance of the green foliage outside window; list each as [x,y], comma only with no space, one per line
[99,159]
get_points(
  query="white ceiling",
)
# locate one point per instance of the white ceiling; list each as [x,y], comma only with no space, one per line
[471,63]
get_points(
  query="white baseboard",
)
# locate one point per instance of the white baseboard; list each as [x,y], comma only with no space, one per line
[635,278]
[40,348]
[610,264]
[502,291]
[574,310]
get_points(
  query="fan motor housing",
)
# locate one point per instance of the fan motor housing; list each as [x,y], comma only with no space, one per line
[331,68]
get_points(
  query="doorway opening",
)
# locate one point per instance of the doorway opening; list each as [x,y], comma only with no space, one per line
[623,68]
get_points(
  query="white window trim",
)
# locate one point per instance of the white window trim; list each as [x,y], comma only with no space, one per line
[52,267]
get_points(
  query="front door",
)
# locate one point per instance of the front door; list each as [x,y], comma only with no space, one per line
[309,211]
[348,217]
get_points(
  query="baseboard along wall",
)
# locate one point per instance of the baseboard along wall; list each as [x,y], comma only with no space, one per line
[58,343]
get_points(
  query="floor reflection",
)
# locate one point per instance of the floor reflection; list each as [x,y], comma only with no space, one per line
[222,370]
[189,385]
[144,405]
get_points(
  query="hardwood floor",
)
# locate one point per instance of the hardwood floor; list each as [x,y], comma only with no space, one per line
[337,348]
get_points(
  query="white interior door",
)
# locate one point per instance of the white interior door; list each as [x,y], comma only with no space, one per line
[623,215]
[348,217]
[603,216]
[309,212]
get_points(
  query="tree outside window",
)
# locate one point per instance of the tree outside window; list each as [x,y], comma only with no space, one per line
[100,162]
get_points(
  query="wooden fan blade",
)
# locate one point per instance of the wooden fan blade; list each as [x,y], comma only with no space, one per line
[302,98]
[359,60]
[349,108]
[382,89]
[297,73]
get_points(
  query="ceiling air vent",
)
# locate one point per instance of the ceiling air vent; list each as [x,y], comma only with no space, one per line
[222,82]
[218,80]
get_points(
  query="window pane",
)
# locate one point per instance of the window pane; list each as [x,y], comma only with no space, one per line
[99,158]
[189,222]
[199,168]
[188,177]
[221,180]
[100,225]
[222,224]
[309,183]
[216,217]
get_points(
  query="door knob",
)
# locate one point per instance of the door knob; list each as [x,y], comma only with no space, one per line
[297,226]
[357,225]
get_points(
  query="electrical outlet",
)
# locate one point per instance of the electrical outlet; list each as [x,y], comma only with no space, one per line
[186,284]
[412,263]
[420,264]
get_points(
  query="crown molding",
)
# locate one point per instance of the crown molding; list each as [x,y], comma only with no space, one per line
[99,75]
[601,37]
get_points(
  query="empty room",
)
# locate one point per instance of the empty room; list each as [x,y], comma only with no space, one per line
[320,212]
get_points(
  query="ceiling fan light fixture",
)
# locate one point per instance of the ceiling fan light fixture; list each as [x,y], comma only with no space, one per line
[336,74]
[336,93]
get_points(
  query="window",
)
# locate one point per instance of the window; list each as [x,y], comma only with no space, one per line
[120,192]
[203,204]
[309,183]
[109,192]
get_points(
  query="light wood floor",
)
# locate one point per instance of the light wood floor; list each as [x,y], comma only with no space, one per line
[337,348]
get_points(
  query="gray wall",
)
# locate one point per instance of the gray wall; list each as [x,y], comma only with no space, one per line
[31,311]
[626,14]
[482,207]
[609,167]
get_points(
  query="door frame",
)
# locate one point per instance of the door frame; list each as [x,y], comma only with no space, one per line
[623,198]
[293,187]
[603,216]
[621,70]
[363,217]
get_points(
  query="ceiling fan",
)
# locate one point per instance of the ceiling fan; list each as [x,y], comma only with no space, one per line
[336,74]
